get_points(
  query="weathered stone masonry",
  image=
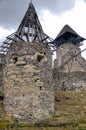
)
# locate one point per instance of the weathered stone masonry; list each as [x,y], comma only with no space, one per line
[29,95]
[1,73]
[26,69]
[69,81]
[68,51]
[70,66]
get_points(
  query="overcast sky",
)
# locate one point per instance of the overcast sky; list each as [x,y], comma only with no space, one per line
[53,15]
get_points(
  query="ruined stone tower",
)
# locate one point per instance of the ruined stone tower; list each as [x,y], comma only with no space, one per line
[68,52]
[70,66]
[28,90]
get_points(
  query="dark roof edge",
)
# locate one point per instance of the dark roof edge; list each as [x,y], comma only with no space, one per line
[65,29]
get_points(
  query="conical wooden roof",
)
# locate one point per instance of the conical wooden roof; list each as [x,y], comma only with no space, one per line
[29,29]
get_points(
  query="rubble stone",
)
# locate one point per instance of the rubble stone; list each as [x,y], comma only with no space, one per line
[29,95]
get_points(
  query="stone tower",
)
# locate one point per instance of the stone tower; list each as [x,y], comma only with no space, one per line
[28,90]
[68,52]
[70,66]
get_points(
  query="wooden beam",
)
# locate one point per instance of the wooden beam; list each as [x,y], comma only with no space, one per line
[11,39]
[6,43]
[4,47]
[19,38]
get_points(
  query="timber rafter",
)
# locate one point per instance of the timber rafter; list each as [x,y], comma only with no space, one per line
[29,30]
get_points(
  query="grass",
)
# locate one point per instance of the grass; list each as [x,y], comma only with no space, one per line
[70,114]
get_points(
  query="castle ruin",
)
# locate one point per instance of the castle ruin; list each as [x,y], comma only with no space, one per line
[70,66]
[26,77]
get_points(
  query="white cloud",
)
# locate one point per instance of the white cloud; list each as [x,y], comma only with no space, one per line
[4,33]
[75,18]
[52,24]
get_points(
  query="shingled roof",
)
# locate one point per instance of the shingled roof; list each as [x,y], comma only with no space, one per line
[67,34]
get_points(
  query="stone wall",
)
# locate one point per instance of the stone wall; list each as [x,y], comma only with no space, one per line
[1,73]
[69,81]
[1,79]
[64,53]
[29,95]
